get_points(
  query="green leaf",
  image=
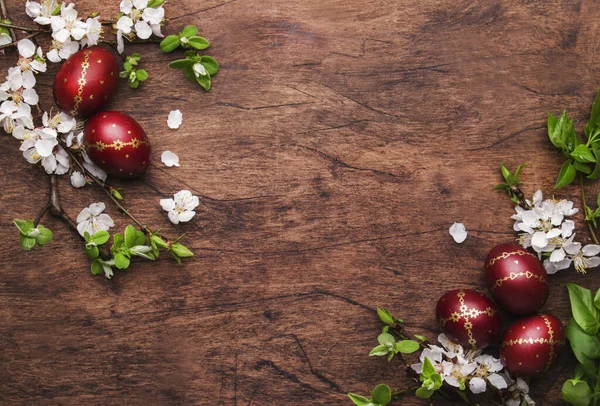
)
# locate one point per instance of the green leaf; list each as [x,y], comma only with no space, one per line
[143,251]
[583,154]
[428,368]
[117,242]
[121,261]
[170,43]
[596,173]
[176,257]
[584,311]
[198,43]
[141,75]
[189,74]
[577,393]
[189,31]
[594,122]
[584,168]
[379,351]
[155,3]
[407,346]
[92,251]
[501,186]
[26,242]
[597,298]
[130,236]
[97,268]
[24,226]
[420,338]
[127,66]
[210,64]
[181,250]
[562,133]
[359,400]
[116,194]
[566,175]
[181,64]
[385,316]
[133,84]
[44,237]
[159,241]
[382,394]
[204,81]
[385,338]
[124,75]
[424,393]
[101,237]
[588,346]
[505,172]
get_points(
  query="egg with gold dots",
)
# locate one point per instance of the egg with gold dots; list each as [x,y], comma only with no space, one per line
[468,318]
[117,144]
[531,345]
[86,81]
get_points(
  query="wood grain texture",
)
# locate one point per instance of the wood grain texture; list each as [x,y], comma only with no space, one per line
[340,141]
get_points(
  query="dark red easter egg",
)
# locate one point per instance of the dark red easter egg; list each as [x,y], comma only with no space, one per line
[86,81]
[516,279]
[118,144]
[468,318]
[530,345]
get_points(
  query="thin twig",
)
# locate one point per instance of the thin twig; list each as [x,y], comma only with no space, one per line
[4,11]
[21,28]
[590,226]
[14,43]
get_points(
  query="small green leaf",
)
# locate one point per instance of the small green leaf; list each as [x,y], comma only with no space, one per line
[198,43]
[597,299]
[359,400]
[501,186]
[127,66]
[385,338]
[385,316]
[382,394]
[133,84]
[170,43]
[181,250]
[121,261]
[181,64]
[583,168]
[379,351]
[584,346]
[407,346]
[155,3]
[420,338]
[424,393]
[594,121]
[189,31]
[101,237]
[577,393]
[505,172]
[584,311]
[97,268]
[141,75]
[428,368]
[26,242]
[596,173]
[566,175]
[210,64]
[44,236]
[24,226]
[92,251]
[130,236]
[124,75]
[158,241]
[204,81]
[583,154]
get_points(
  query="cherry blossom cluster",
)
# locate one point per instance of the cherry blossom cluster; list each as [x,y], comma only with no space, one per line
[546,228]
[140,18]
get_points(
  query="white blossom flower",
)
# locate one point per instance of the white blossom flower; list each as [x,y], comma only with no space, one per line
[61,122]
[138,19]
[67,24]
[93,31]
[518,390]
[40,146]
[62,50]
[181,208]
[459,368]
[75,140]
[58,163]
[13,115]
[458,232]
[169,159]
[30,58]
[41,12]
[77,179]
[92,219]
[92,167]
[175,119]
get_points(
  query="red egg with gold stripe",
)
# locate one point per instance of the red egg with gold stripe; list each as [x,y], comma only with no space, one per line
[530,345]
[118,144]
[468,318]
[85,83]
[516,279]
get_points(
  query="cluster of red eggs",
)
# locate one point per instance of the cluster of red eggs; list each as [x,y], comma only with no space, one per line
[518,282]
[114,141]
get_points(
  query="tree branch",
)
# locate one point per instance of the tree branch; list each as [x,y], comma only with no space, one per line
[14,43]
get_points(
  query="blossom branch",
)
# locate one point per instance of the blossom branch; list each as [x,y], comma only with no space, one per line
[14,43]
[590,227]
[21,28]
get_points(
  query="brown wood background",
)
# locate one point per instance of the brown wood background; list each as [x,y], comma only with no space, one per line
[340,141]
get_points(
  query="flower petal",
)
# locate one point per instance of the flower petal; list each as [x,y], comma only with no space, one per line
[591,250]
[497,381]
[477,385]
[143,30]
[97,208]
[175,119]
[557,255]
[26,48]
[538,240]
[77,179]
[458,232]
[186,216]
[167,204]
[169,159]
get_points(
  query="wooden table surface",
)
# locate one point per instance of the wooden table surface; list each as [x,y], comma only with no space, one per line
[340,141]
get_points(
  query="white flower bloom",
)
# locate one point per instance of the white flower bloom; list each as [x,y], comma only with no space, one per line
[138,20]
[92,219]
[13,115]
[41,13]
[77,179]
[39,146]
[518,391]
[61,122]
[30,58]
[181,208]
[62,50]
[169,159]
[124,24]
[458,232]
[92,167]
[199,70]
[93,31]
[67,24]
[75,141]
[175,119]
[57,163]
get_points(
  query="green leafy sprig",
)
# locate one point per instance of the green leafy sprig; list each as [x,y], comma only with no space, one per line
[133,75]
[187,38]
[30,235]
[583,334]
[197,68]
[511,185]
[381,395]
